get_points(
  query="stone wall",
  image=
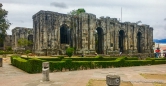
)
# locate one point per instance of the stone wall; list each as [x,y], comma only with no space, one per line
[87,34]
[20,32]
[8,41]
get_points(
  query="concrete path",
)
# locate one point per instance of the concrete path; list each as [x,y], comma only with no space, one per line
[12,76]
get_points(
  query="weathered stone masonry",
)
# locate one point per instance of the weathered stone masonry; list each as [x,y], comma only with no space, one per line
[54,32]
[21,32]
[8,41]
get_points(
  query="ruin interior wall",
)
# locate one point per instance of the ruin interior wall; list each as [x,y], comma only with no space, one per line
[20,32]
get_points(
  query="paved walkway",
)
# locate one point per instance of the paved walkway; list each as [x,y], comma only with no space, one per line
[12,76]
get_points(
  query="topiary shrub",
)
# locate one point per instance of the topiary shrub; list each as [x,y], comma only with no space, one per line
[69,51]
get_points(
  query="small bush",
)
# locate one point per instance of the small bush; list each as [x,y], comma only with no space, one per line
[69,51]
[100,57]
[9,48]
[27,51]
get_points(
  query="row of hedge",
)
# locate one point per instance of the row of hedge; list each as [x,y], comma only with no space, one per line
[6,52]
[32,65]
[97,58]
[119,62]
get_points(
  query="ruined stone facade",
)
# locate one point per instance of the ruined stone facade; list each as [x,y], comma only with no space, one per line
[21,32]
[88,34]
[7,41]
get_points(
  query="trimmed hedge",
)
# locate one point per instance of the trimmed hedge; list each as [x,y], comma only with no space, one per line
[56,65]
[30,65]
[34,65]
[93,59]
[137,62]
[6,52]
[51,59]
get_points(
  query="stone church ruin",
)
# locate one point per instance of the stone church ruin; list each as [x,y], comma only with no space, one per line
[53,32]
[21,32]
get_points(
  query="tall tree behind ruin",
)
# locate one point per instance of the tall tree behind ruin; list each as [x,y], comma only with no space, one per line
[76,12]
[4,24]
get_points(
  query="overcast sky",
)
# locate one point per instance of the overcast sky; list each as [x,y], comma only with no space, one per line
[151,12]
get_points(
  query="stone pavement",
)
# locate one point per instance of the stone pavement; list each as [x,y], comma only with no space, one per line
[12,76]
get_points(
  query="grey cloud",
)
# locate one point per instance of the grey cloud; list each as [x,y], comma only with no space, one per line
[165,19]
[59,5]
[147,11]
[21,21]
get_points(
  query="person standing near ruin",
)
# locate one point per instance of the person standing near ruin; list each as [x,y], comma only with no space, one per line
[157,52]
[120,51]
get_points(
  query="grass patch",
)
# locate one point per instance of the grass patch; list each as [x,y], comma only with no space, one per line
[154,76]
[97,82]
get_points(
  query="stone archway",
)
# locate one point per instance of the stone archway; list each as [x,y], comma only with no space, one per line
[121,39]
[99,41]
[64,34]
[139,37]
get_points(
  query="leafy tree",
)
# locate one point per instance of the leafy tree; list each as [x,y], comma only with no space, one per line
[24,42]
[77,12]
[27,52]
[4,24]
[69,51]
[9,48]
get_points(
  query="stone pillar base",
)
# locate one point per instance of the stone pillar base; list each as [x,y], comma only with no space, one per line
[113,80]
[45,71]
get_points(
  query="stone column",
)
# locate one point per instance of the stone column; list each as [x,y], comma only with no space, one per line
[92,28]
[135,37]
[45,71]
[116,44]
[85,33]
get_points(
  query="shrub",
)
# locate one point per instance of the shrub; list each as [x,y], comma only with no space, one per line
[160,62]
[21,63]
[56,65]
[69,51]
[9,48]
[27,52]
[30,65]
[50,59]
[33,65]
[105,64]
[100,57]
[6,52]
[68,63]
[93,59]
[132,58]
[137,62]
[61,57]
